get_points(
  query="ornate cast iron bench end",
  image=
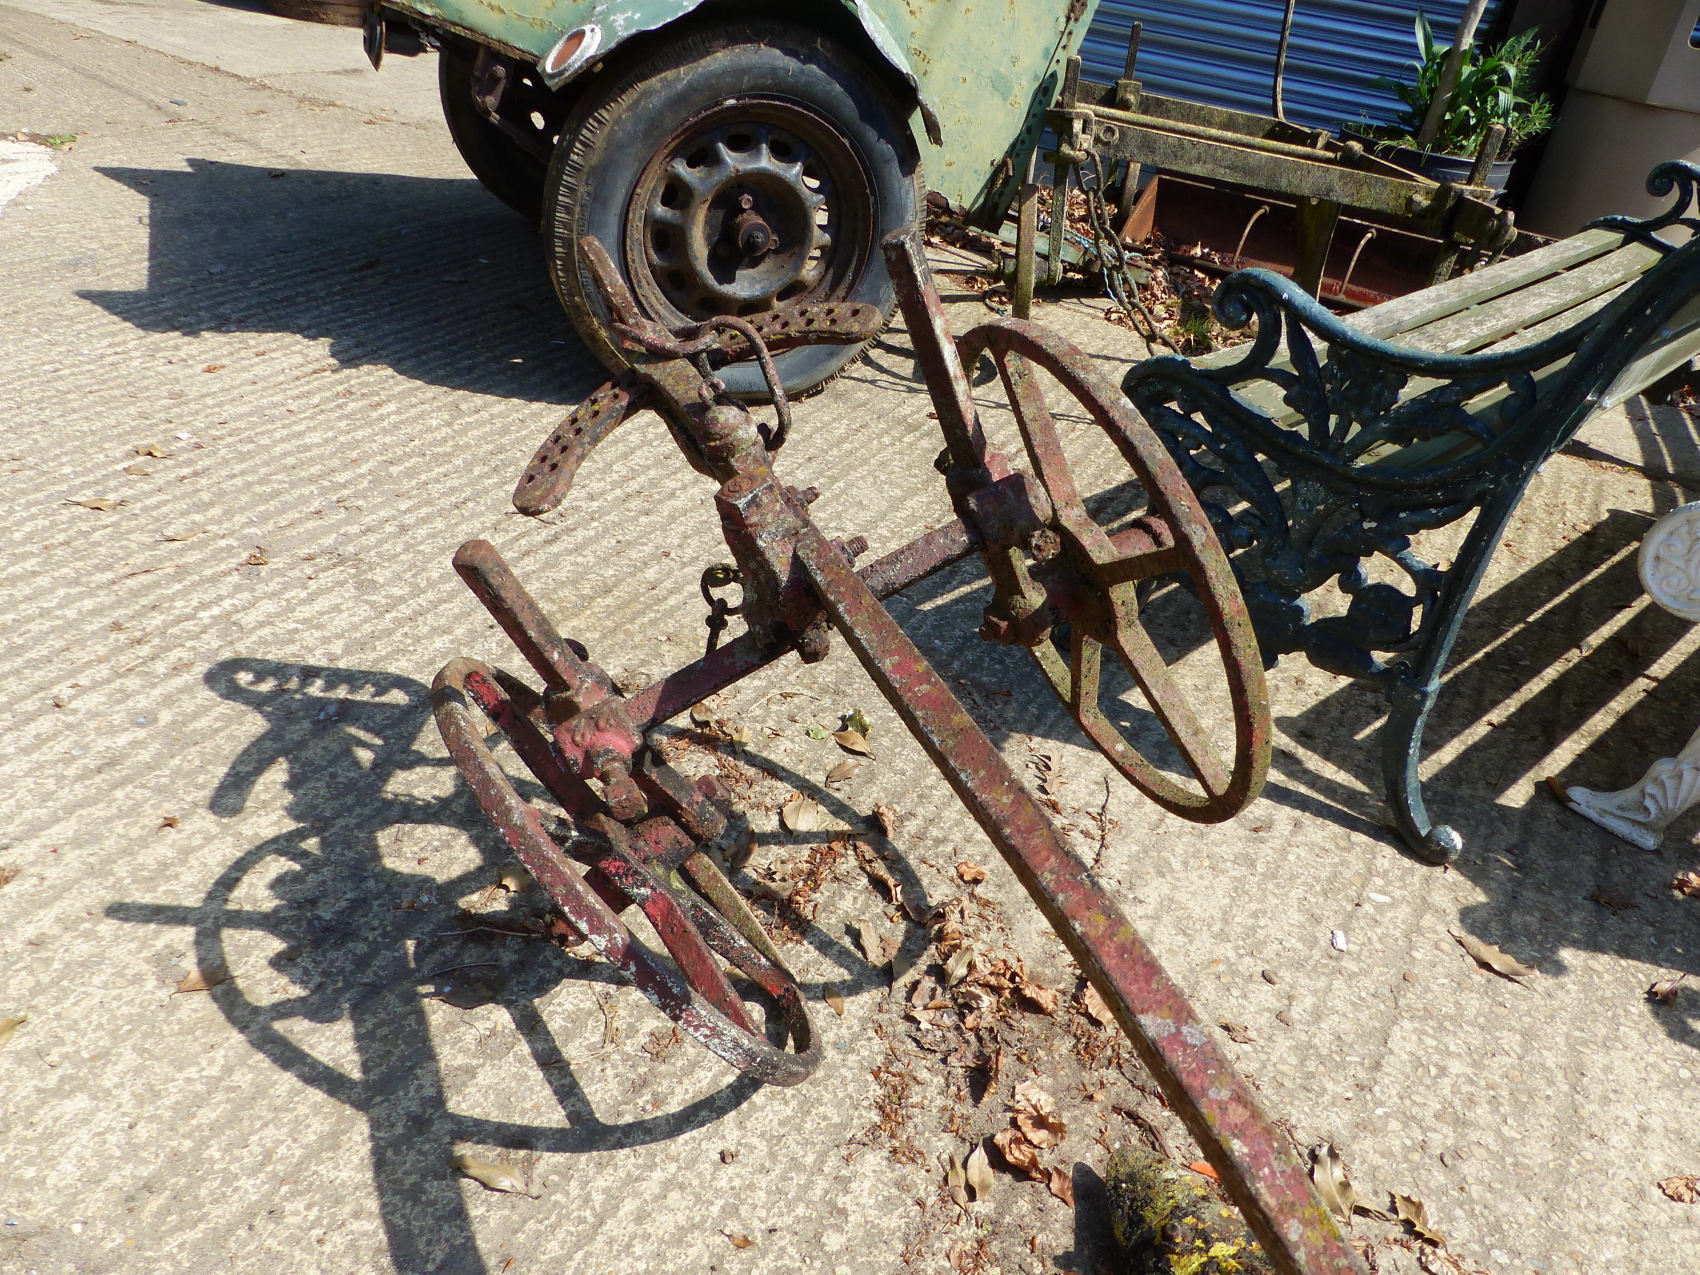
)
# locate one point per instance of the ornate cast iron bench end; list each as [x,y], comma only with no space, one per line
[1324,449]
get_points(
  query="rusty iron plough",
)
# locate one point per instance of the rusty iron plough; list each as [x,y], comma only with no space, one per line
[637,831]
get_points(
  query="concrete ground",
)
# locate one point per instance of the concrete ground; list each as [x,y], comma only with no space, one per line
[261,306]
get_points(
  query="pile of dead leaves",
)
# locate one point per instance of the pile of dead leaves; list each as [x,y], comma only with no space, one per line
[1034,1128]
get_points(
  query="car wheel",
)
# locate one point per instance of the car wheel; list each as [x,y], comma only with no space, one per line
[511,157]
[731,170]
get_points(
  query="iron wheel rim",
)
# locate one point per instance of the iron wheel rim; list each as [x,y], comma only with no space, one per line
[753,173]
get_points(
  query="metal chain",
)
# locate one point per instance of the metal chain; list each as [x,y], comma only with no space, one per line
[719,576]
[659,341]
[1113,258]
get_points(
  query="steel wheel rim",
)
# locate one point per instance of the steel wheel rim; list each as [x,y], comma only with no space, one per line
[751,204]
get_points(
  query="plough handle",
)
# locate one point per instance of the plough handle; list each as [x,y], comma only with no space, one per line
[492,581]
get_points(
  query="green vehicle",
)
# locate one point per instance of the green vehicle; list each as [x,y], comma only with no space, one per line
[738,155]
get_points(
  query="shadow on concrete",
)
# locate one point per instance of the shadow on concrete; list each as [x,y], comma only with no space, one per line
[428,276]
[343,735]
[1538,863]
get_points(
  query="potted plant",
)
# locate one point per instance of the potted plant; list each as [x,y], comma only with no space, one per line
[1489,87]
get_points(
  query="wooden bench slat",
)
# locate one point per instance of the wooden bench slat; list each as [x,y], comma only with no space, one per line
[1266,398]
[1676,344]
[1401,314]
[1480,326]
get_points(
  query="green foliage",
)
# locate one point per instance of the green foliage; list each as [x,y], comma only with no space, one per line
[1490,90]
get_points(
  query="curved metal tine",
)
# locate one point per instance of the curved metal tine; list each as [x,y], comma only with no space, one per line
[515,818]
[494,695]
[549,477]
[1172,708]
[707,878]
[1038,427]
[672,921]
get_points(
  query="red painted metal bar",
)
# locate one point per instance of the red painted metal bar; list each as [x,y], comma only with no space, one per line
[1254,1159]
[695,682]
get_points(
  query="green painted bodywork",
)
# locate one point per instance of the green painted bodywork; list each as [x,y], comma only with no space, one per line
[982,70]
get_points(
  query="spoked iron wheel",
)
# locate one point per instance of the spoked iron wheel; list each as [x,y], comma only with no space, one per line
[755,204]
[1075,571]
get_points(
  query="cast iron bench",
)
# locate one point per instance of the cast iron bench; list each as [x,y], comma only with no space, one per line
[1327,443]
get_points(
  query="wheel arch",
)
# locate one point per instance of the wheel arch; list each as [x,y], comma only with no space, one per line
[532,31]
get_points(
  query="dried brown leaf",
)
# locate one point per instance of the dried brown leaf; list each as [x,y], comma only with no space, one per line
[1687,884]
[1042,998]
[853,720]
[852,741]
[802,814]
[152,449]
[1414,1211]
[138,471]
[515,880]
[492,1177]
[1684,1188]
[885,819]
[1239,1033]
[1021,1154]
[9,1028]
[203,980]
[178,537]
[1328,1172]
[832,997]
[1062,1185]
[1664,991]
[956,968]
[1611,899]
[701,714]
[738,1241]
[169,821]
[1492,959]
[842,773]
[103,503]
[1093,1006]
[470,995]
[259,558]
[956,1182]
[978,1172]
[875,867]
[1035,1114]
[970,873]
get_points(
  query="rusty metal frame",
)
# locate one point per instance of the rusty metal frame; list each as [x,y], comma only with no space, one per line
[1319,173]
[1049,562]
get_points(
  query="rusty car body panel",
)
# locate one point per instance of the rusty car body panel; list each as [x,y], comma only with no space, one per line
[981,72]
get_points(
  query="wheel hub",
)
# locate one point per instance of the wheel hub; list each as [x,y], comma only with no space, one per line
[751,205]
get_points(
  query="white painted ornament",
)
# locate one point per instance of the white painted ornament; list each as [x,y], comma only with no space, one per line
[1669,565]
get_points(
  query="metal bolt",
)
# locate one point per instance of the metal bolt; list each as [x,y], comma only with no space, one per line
[1044,544]
[856,546]
[996,627]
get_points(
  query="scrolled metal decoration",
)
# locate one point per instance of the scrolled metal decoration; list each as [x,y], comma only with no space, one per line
[1375,442]
[1674,174]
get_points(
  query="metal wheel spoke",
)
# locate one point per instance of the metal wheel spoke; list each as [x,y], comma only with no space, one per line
[1038,428]
[1170,704]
